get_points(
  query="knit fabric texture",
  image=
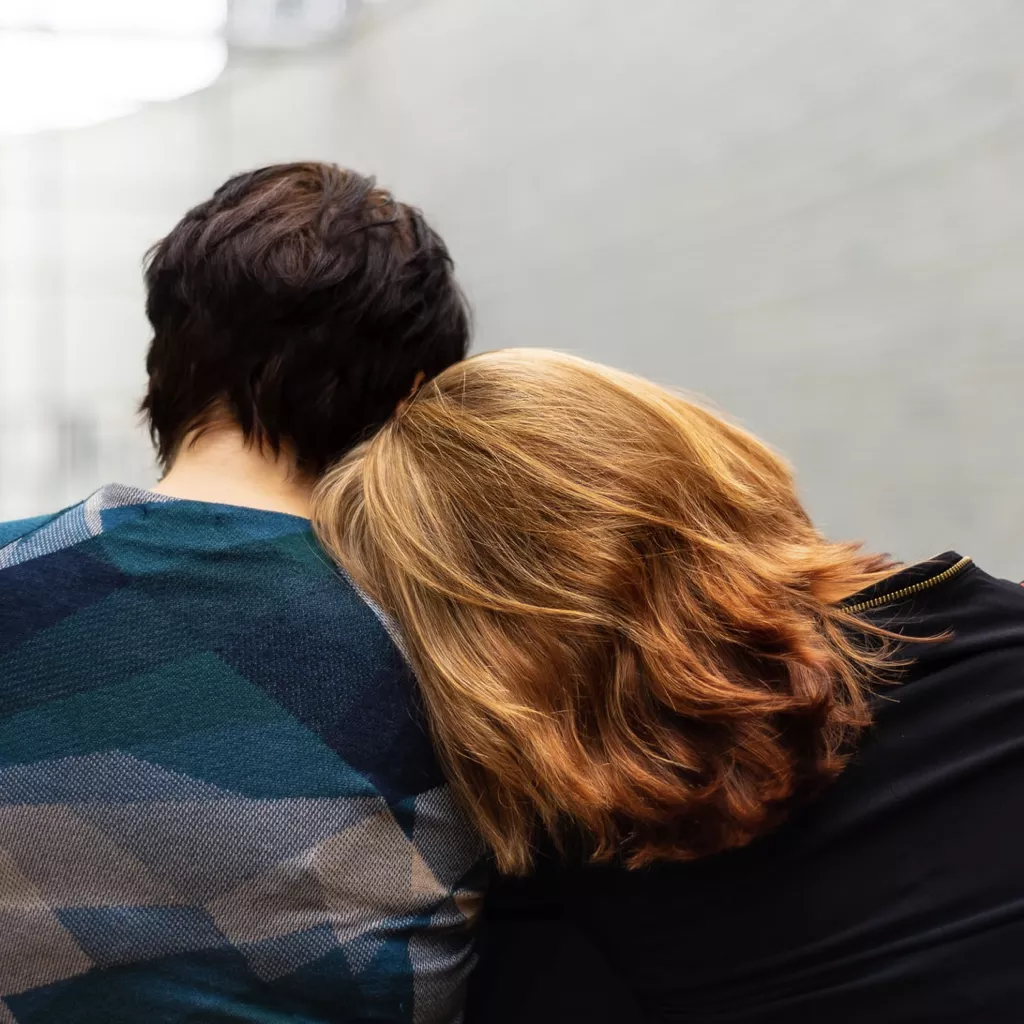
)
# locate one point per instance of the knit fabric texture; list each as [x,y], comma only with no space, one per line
[218,799]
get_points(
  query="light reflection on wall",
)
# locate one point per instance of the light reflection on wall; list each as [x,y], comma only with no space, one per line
[68,63]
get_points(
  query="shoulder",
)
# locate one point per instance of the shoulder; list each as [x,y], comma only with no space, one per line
[18,528]
[972,656]
[28,539]
[986,601]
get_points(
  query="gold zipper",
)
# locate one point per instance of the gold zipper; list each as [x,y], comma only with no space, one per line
[914,588]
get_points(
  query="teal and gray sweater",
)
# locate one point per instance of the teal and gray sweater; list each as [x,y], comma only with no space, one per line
[218,801]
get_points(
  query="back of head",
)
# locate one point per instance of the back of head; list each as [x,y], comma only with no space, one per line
[624,623]
[302,302]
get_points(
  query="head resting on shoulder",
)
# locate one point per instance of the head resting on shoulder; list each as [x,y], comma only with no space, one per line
[625,625]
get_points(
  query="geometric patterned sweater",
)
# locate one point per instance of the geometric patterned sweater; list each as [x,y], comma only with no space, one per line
[218,800]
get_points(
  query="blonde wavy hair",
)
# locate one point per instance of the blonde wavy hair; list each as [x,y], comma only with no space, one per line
[626,628]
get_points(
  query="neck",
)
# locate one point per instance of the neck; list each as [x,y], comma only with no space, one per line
[220,466]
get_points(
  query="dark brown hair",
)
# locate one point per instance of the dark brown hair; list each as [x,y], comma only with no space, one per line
[625,626]
[302,301]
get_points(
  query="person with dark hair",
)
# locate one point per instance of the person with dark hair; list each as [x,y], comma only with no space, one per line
[300,304]
[218,799]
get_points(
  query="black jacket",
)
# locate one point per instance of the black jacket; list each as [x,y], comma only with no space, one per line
[896,897]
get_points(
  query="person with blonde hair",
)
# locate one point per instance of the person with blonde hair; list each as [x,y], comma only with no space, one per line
[729,770]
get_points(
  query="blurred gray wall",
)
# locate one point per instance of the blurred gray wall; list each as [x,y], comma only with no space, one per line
[809,211]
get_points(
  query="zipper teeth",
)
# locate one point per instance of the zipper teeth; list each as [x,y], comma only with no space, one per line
[914,588]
